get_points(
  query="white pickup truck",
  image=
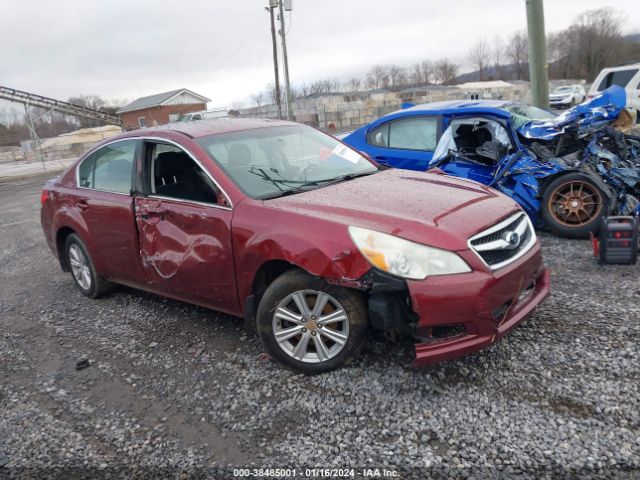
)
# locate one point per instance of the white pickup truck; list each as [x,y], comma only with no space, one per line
[189,117]
[626,76]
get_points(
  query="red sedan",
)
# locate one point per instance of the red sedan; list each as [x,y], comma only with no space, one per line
[308,240]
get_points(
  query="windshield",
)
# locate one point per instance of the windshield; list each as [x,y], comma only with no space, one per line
[521,114]
[563,90]
[267,162]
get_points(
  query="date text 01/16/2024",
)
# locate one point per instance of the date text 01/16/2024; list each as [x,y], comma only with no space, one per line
[314,473]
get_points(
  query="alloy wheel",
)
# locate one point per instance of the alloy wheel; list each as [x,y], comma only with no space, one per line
[80,267]
[310,326]
[575,203]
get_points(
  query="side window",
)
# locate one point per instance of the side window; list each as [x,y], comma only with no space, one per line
[417,133]
[175,174]
[110,168]
[380,136]
[620,78]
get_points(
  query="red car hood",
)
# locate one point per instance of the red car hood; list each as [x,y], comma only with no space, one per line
[428,208]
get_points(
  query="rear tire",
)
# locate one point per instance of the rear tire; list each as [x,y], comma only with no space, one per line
[573,205]
[82,270]
[306,336]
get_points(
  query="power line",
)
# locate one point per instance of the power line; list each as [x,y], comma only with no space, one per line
[238,48]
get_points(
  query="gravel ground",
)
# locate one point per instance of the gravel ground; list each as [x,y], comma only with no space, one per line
[176,391]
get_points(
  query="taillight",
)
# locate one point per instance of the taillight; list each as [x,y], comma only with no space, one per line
[44,196]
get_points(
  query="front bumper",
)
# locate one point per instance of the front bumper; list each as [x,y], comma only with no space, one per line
[477,308]
[560,103]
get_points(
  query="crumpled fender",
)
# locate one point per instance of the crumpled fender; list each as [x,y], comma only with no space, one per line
[602,109]
[318,257]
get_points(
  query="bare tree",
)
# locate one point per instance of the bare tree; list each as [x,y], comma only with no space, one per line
[559,55]
[598,40]
[94,102]
[378,77]
[397,76]
[445,71]
[271,92]
[258,98]
[415,74]
[480,57]
[9,118]
[518,54]
[421,73]
[331,85]
[303,91]
[354,84]
[89,101]
[498,53]
[427,71]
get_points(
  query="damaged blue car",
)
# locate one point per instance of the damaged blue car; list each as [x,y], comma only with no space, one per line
[566,172]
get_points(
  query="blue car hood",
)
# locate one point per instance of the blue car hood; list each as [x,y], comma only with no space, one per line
[602,109]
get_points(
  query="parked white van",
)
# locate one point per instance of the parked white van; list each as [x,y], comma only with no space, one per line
[626,76]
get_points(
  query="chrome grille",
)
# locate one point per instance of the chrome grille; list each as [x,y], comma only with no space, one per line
[505,242]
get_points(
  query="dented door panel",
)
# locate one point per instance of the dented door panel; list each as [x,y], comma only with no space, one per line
[185,250]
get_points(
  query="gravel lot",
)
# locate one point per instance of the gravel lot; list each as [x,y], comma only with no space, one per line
[178,391]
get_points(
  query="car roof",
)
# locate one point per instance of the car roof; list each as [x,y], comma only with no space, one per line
[215,126]
[626,66]
[454,107]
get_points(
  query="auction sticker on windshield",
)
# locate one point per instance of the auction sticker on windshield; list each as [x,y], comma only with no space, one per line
[347,153]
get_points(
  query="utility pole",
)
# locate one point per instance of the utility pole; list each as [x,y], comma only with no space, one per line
[538,67]
[287,86]
[275,57]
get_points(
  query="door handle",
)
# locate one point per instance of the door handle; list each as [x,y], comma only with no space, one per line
[145,212]
[82,204]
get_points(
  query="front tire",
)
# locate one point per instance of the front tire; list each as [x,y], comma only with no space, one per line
[310,326]
[573,205]
[82,270]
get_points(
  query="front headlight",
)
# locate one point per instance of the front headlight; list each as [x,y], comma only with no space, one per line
[404,258]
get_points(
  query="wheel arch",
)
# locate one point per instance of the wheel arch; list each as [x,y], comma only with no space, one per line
[268,272]
[264,276]
[61,237]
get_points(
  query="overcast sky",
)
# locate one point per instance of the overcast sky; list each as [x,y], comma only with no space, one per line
[222,48]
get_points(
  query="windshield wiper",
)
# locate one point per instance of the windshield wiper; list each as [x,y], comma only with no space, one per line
[265,176]
[341,178]
[298,186]
[262,173]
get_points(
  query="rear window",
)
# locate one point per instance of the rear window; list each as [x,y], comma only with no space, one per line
[110,168]
[619,77]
